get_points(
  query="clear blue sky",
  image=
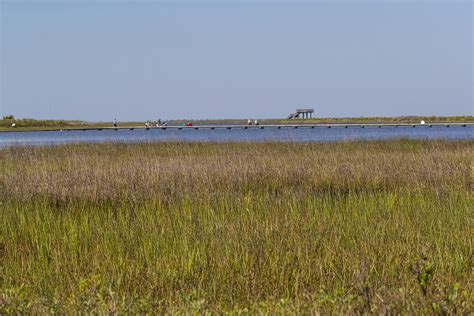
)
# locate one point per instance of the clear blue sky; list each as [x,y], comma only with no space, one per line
[137,60]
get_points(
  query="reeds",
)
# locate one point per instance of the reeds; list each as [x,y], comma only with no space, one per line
[278,227]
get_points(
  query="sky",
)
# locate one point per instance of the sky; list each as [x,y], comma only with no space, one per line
[138,60]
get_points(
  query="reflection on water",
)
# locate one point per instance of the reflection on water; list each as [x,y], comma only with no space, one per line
[236,135]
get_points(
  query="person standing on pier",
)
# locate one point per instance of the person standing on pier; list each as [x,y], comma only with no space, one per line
[115,122]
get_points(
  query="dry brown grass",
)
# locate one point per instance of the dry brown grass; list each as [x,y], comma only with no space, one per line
[114,171]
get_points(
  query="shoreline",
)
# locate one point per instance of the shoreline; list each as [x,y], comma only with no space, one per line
[232,126]
[57,125]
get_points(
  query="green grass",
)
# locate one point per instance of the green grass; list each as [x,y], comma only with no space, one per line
[356,227]
[34,125]
[25,123]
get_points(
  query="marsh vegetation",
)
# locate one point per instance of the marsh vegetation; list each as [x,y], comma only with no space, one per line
[356,227]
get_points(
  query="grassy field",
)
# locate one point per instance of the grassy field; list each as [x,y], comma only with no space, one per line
[32,125]
[279,228]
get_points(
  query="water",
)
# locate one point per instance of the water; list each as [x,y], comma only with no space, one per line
[302,134]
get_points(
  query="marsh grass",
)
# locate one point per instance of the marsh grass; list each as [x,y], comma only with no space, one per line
[356,227]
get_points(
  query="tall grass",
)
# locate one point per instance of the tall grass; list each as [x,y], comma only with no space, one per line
[351,227]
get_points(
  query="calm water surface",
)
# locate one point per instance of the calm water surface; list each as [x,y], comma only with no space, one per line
[302,134]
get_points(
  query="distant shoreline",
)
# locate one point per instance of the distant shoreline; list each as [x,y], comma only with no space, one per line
[43,125]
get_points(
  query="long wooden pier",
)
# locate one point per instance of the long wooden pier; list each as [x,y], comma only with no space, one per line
[262,126]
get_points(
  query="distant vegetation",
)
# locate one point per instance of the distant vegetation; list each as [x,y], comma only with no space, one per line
[8,120]
[347,228]
[397,119]
[31,124]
